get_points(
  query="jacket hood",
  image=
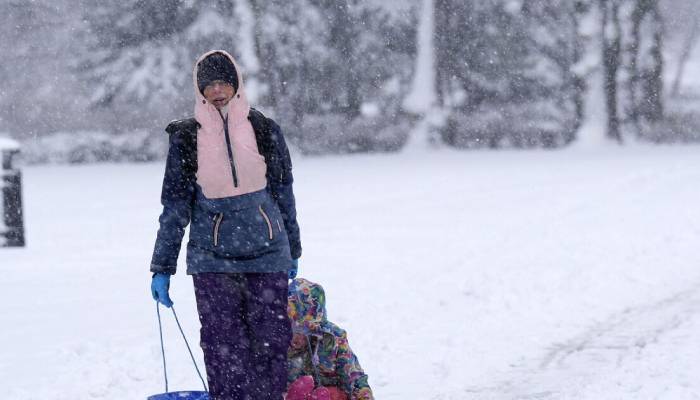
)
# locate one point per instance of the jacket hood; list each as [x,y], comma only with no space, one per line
[307,306]
[237,108]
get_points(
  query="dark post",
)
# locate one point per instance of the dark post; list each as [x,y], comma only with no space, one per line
[12,201]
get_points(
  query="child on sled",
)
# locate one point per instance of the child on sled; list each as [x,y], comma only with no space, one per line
[320,362]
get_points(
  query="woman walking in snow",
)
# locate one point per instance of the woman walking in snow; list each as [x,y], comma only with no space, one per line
[228,175]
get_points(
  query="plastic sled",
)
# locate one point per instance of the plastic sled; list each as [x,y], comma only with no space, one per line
[181,395]
[186,395]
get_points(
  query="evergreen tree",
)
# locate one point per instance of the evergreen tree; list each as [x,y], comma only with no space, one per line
[506,71]
[36,95]
[289,41]
[140,54]
[324,60]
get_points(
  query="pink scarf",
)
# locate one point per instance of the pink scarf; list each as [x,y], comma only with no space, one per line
[214,174]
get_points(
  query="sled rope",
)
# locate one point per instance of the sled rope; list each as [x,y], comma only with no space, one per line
[162,347]
[189,350]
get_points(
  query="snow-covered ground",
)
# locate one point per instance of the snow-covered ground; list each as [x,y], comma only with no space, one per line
[459,275]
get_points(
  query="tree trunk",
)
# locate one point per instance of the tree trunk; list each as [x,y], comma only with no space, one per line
[441,12]
[579,82]
[611,43]
[262,52]
[654,84]
[646,64]
[688,47]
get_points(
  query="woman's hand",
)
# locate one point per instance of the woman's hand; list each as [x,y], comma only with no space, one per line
[159,289]
[293,269]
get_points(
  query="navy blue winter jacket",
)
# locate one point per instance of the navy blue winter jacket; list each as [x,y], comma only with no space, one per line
[180,191]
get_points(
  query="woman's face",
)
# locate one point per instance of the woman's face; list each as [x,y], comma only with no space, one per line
[218,93]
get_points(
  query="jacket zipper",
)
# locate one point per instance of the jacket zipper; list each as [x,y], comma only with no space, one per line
[267,220]
[230,152]
[217,223]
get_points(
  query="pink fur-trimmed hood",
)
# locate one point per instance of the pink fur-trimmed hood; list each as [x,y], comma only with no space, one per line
[214,172]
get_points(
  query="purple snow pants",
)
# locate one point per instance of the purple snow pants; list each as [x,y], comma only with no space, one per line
[245,334]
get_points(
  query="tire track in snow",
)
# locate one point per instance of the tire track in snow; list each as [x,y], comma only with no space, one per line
[586,358]
[630,330]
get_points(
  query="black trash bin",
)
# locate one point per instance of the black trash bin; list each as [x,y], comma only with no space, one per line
[12,224]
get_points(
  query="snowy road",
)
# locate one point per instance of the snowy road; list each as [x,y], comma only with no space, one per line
[458,275]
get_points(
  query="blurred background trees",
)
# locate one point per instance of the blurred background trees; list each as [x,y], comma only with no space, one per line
[337,74]
[507,72]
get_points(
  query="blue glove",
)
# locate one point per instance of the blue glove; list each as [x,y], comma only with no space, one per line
[293,269]
[159,289]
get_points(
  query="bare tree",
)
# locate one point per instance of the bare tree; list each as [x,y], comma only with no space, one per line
[611,35]
[689,44]
[645,81]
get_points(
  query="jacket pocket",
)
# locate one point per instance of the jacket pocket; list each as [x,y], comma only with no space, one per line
[238,232]
[267,221]
[217,224]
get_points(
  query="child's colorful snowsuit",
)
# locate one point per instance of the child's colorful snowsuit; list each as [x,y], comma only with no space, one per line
[327,354]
